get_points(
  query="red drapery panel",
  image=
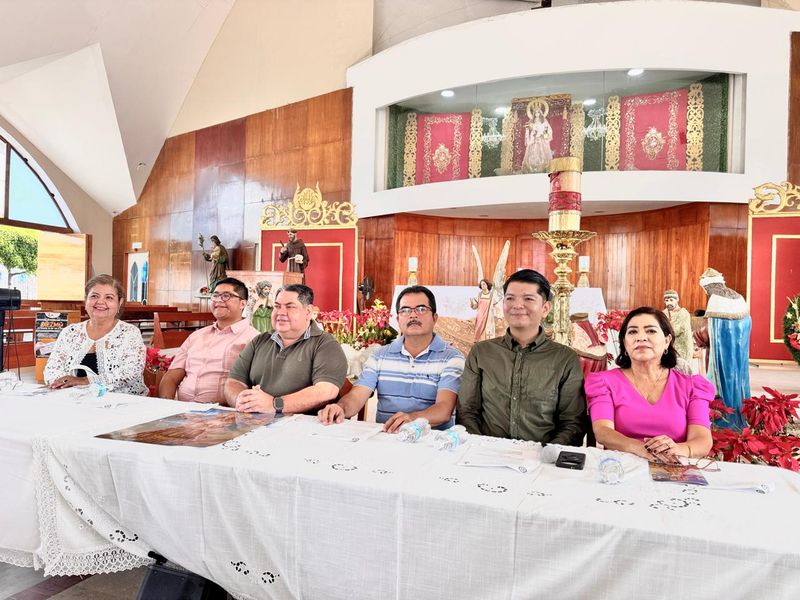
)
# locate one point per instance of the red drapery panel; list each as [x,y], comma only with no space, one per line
[774,278]
[653,131]
[442,147]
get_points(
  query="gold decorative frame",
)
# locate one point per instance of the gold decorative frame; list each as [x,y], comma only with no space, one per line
[307,210]
[770,200]
[694,128]
[475,143]
[577,120]
[612,133]
[410,150]
[510,121]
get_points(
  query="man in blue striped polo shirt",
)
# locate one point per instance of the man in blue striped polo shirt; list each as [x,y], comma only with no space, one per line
[417,375]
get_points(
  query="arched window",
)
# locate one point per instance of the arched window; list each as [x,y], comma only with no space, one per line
[25,199]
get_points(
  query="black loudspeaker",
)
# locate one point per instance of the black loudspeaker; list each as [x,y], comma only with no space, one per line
[10,299]
[165,583]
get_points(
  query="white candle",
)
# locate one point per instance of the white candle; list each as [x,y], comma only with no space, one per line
[583,263]
[412,263]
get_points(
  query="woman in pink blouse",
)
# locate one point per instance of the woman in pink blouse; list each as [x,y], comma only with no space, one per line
[647,407]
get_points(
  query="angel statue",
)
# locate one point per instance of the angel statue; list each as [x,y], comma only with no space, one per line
[487,302]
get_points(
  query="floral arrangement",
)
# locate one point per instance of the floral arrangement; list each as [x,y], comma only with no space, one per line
[791,328]
[610,321]
[155,361]
[766,440]
[360,330]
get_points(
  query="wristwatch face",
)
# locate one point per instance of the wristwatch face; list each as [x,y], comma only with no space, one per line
[277,404]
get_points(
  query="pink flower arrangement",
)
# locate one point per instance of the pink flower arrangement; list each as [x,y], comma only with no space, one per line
[360,330]
[610,321]
[155,361]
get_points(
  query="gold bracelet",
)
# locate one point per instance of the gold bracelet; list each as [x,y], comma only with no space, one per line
[690,449]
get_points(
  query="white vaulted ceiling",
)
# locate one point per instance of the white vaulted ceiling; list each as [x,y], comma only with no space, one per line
[96,84]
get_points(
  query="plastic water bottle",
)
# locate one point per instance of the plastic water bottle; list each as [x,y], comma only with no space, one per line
[611,470]
[93,390]
[451,438]
[412,432]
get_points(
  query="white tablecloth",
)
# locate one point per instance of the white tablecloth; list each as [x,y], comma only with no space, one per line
[289,512]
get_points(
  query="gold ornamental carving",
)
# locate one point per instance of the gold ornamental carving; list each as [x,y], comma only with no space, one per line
[507,147]
[612,134]
[576,123]
[307,210]
[441,158]
[410,150]
[475,143]
[775,198]
[563,244]
[652,143]
[694,128]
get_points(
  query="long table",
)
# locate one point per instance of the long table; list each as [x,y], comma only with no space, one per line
[287,511]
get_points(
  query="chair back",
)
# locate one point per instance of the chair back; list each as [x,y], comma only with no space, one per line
[170,329]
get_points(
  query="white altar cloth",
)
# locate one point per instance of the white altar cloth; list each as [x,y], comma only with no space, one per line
[283,513]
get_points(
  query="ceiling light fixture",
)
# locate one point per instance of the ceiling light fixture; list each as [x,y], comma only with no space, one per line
[448,93]
[590,102]
[635,72]
[500,111]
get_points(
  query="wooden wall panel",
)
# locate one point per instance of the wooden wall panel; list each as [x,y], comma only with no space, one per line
[634,258]
[793,167]
[209,181]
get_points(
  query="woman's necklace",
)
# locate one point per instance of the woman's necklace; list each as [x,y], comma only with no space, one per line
[651,392]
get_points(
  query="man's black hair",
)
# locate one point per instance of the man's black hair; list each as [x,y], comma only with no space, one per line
[417,289]
[531,276]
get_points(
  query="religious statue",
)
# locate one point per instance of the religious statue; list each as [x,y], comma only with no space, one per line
[729,323]
[218,257]
[681,322]
[295,252]
[488,300]
[584,340]
[259,307]
[486,304]
[538,135]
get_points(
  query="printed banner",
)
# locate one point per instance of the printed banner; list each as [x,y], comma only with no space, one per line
[539,132]
[45,332]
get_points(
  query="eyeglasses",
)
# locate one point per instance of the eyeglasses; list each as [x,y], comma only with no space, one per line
[224,296]
[405,311]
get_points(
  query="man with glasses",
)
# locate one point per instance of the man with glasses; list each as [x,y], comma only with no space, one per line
[524,385]
[417,375]
[199,370]
[296,369]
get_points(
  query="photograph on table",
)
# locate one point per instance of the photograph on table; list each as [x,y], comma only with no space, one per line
[197,429]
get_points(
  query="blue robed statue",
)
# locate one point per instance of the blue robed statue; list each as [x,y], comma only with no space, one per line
[729,324]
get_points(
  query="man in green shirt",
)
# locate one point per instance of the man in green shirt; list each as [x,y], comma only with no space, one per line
[298,368]
[524,385]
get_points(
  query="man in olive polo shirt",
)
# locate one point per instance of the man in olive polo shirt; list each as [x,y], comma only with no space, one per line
[299,368]
[524,385]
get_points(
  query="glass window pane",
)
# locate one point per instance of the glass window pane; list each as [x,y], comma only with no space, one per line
[28,199]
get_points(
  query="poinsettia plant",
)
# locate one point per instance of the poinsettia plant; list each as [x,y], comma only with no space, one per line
[765,440]
[610,321]
[360,330]
[155,361]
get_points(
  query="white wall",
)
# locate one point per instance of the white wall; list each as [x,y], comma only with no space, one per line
[594,37]
[274,52]
[87,216]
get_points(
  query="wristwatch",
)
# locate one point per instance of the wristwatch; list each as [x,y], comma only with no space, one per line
[277,404]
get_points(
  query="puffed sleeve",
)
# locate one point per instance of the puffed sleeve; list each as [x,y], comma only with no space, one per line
[700,396]
[598,397]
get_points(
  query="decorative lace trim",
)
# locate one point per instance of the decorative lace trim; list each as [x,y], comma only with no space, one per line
[16,557]
[107,557]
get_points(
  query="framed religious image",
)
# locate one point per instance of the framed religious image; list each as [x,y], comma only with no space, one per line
[136,276]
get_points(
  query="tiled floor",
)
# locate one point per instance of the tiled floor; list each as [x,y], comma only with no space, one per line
[18,583]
